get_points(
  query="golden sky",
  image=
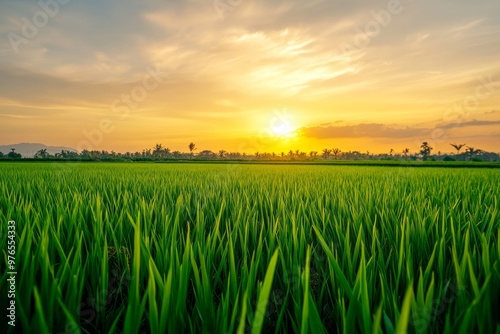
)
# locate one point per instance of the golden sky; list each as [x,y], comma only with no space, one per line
[250,75]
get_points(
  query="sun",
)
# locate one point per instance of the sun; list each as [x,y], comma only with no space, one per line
[281,125]
[283,128]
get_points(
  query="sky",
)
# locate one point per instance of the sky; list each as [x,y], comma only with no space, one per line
[250,75]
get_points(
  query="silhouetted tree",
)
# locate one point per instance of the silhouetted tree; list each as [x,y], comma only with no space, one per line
[192,147]
[425,150]
[336,151]
[458,147]
[42,154]
[207,154]
[66,154]
[13,155]
[157,150]
[85,154]
[471,152]
[326,153]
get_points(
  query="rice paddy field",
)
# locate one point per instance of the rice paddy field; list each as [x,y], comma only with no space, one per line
[207,248]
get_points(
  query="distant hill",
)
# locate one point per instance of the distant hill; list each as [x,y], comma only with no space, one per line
[28,150]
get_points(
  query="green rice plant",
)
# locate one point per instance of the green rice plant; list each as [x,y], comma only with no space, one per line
[139,248]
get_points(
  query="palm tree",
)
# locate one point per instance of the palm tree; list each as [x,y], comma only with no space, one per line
[85,154]
[406,151]
[222,153]
[166,152]
[157,150]
[336,151]
[41,153]
[458,147]
[326,153]
[64,154]
[146,153]
[470,151]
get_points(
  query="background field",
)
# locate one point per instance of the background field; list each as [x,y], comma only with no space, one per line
[236,248]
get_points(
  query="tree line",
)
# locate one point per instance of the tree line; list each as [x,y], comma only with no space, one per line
[160,152]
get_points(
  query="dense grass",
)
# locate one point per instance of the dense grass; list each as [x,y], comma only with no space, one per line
[252,248]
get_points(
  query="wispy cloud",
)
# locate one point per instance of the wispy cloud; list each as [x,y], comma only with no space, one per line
[466,26]
[376,130]
[264,55]
[468,124]
[363,130]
